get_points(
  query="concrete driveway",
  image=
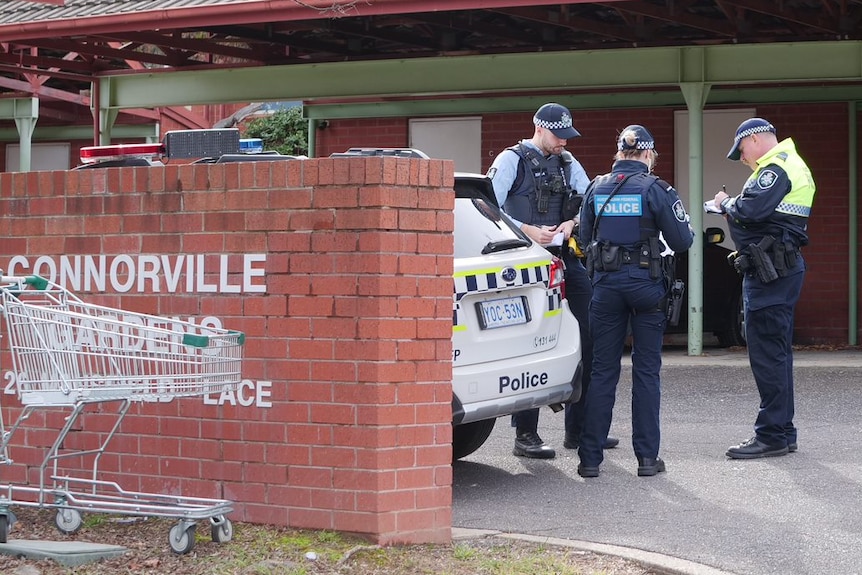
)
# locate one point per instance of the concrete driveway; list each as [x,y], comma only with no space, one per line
[800,514]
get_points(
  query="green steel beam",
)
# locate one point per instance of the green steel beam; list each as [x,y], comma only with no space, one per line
[651,99]
[540,71]
[67,133]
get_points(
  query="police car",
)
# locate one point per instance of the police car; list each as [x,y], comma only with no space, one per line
[516,344]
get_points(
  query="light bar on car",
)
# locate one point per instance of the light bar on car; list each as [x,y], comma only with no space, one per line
[250,145]
[208,143]
[92,154]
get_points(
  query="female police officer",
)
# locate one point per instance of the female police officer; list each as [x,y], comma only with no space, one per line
[621,218]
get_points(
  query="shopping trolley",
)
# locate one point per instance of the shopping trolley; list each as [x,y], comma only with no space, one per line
[69,355]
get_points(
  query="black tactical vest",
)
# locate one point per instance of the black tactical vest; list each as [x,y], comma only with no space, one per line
[540,188]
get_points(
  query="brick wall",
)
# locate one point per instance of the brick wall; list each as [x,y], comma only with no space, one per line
[819,130]
[339,272]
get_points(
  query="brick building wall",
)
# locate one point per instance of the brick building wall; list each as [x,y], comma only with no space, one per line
[338,271]
[820,132]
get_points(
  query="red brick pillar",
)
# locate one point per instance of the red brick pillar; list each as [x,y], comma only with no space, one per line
[369,318]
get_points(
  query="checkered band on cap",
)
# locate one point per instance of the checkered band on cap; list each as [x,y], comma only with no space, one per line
[565,121]
[557,119]
[643,140]
[753,130]
[748,128]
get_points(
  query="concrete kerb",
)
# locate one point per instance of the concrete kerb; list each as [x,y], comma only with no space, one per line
[66,553]
[656,561]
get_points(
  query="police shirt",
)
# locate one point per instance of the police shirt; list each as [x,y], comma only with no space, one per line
[641,198]
[504,170]
[775,200]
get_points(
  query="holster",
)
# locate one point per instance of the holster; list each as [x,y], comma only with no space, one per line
[763,266]
[611,257]
[674,302]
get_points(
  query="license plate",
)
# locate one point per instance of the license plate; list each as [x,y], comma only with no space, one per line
[503,312]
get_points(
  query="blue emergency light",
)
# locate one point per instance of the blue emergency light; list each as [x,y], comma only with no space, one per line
[250,146]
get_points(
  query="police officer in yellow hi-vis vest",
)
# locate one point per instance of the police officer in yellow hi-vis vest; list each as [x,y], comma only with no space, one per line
[768,222]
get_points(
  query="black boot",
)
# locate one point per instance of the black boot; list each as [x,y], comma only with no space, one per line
[529,444]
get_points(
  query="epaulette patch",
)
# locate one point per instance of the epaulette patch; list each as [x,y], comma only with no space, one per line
[766,178]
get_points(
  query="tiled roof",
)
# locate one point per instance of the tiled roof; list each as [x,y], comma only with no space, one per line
[18,12]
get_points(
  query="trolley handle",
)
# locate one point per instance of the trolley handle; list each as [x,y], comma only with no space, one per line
[36,282]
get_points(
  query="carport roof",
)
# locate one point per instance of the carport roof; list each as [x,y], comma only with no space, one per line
[55,49]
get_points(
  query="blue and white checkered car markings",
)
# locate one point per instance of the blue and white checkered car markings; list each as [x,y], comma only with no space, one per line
[480,281]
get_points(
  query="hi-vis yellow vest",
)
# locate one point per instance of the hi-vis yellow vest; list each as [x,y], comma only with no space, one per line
[800,198]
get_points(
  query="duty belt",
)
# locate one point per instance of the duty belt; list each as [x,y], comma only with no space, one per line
[767,260]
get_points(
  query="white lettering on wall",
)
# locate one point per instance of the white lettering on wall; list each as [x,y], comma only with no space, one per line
[148,273]
[247,394]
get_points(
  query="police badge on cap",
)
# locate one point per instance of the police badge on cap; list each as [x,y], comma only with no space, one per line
[557,119]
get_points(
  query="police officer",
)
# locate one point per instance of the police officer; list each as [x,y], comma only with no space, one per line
[621,218]
[768,222]
[536,181]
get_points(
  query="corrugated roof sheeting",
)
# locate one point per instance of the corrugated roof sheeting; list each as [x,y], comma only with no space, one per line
[26,12]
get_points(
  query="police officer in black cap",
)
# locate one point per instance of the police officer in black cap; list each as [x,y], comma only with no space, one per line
[536,182]
[768,221]
[621,218]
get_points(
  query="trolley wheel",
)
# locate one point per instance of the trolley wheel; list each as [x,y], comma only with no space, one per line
[182,538]
[7,522]
[68,520]
[222,532]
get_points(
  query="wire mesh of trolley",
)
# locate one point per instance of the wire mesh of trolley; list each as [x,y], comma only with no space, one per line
[68,355]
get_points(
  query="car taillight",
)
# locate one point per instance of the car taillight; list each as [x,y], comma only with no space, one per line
[558,275]
[93,154]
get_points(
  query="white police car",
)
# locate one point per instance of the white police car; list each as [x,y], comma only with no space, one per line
[516,344]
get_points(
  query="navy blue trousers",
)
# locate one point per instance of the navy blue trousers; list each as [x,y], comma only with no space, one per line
[622,298]
[578,293]
[769,334]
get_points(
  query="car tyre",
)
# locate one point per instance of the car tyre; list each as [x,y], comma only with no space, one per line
[469,437]
[733,333]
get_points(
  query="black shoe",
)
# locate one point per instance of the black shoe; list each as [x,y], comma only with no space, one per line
[529,444]
[792,447]
[754,448]
[587,471]
[648,467]
[572,443]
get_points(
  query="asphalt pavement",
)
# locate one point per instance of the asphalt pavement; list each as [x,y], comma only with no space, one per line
[800,514]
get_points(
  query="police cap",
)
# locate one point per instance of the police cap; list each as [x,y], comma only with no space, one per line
[642,140]
[745,129]
[557,119]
